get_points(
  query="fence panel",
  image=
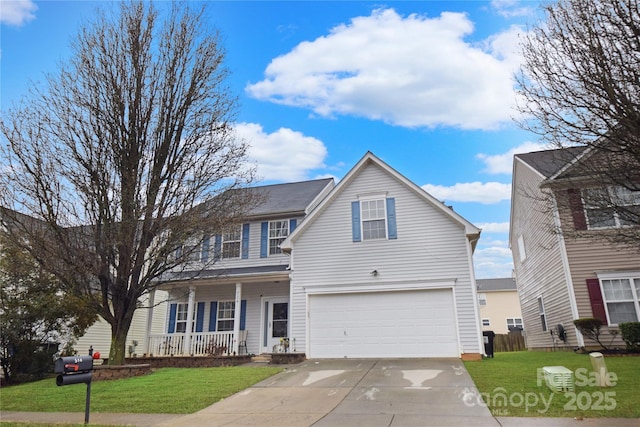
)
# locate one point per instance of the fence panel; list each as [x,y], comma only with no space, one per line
[508,342]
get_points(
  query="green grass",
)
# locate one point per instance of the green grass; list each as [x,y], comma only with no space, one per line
[515,376]
[167,390]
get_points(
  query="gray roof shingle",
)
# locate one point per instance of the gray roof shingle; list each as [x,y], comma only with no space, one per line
[288,198]
[500,284]
[549,162]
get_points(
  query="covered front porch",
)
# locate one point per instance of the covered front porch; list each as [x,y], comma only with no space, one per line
[227,316]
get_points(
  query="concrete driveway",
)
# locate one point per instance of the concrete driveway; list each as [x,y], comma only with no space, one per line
[354,392]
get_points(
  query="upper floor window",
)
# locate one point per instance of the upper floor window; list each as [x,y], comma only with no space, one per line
[231,241]
[482,299]
[607,207]
[622,299]
[278,231]
[273,233]
[373,217]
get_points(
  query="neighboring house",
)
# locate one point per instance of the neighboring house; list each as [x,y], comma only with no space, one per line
[499,305]
[561,273]
[371,267]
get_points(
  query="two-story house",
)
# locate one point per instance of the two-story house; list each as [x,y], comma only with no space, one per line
[562,272]
[371,267]
[499,305]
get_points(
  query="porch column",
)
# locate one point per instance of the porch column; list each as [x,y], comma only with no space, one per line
[189,330]
[236,318]
[147,339]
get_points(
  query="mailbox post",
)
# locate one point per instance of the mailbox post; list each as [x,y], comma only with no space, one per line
[76,370]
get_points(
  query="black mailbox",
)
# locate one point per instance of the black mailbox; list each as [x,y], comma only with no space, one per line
[73,370]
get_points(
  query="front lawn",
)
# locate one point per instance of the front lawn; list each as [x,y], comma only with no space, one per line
[512,386]
[165,391]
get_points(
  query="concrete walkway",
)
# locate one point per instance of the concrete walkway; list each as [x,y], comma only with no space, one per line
[327,393]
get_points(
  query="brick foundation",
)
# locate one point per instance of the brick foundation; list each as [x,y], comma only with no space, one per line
[287,358]
[105,372]
[189,362]
[471,357]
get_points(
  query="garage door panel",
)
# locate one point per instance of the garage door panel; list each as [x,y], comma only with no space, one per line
[383,324]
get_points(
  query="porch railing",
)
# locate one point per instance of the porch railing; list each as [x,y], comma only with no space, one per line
[201,344]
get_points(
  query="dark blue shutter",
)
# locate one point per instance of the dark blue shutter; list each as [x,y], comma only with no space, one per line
[199,317]
[213,315]
[217,247]
[173,308]
[292,225]
[355,221]
[391,218]
[245,241]
[243,314]
[264,239]
[205,249]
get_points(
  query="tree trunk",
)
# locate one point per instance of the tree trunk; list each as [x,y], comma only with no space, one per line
[119,331]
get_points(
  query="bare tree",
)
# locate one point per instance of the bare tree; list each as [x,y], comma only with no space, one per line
[127,154]
[580,85]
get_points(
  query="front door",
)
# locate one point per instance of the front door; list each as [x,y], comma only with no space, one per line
[275,312]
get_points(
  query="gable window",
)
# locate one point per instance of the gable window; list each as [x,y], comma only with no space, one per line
[608,207]
[226,315]
[278,231]
[373,218]
[622,299]
[231,242]
[543,318]
[514,323]
[482,299]
[486,322]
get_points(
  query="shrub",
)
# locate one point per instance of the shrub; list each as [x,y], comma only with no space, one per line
[590,327]
[630,332]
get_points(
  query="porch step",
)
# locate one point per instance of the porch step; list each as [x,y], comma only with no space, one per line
[262,358]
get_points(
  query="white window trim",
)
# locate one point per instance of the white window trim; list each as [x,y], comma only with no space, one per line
[616,276]
[482,299]
[372,197]
[281,238]
[239,242]
[180,321]
[521,324]
[223,319]
[521,249]
[612,196]
[542,312]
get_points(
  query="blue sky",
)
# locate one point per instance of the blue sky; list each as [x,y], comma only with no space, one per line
[425,85]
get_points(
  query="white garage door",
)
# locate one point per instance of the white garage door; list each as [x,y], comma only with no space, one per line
[383,324]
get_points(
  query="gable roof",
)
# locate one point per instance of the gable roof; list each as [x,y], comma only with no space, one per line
[549,162]
[472,232]
[290,198]
[499,284]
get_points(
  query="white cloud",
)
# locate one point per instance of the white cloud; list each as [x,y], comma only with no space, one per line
[503,163]
[511,8]
[17,12]
[494,227]
[284,155]
[409,71]
[493,262]
[486,193]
